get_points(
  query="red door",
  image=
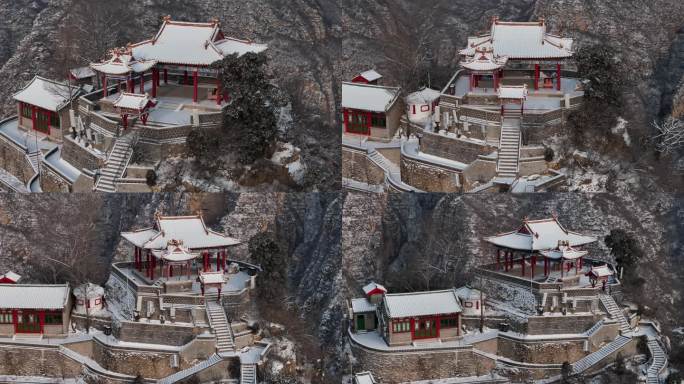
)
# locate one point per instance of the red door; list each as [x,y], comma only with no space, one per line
[425,328]
[27,321]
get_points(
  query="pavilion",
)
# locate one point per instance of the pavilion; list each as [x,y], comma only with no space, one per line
[135,105]
[516,44]
[187,47]
[545,238]
[178,241]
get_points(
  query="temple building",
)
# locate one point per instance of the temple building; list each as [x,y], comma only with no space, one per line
[89,299]
[367,77]
[408,317]
[34,309]
[10,278]
[178,241]
[546,239]
[43,106]
[422,104]
[403,318]
[371,110]
[516,44]
[186,47]
[471,301]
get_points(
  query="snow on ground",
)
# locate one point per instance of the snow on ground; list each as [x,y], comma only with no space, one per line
[120,300]
[621,129]
[510,298]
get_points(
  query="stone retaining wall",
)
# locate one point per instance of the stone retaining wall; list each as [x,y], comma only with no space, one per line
[13,160]
[429,178]
[452,148]
[544,352]
[156,333]
[390,368]
[36,361]
[540,325]
[50,181]
[357,166]
[149,364]
[79,157]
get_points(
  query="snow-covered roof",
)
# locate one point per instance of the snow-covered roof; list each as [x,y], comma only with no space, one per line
[601,271]
[565,252]
[370,75]
[370,287]
[175,252]
[537,235]
[362,305]
[92,291]
[424,96]
[11,276]
[191,230]
[366,97]
[186,43]
[135,101]
[517,92]
[484,60]
[364,378]
[212,277]
[46,94]
[521,40]
[421,303]
[467,292]
[123,63]
[82,73]
[33,296]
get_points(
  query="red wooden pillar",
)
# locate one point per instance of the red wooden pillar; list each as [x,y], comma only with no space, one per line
[532,264]
[498,259]
[470,84]
[124,120]
[185,77]
[219,91]
[218,261]
[368,122]
[202,287]
[155,74]
[536,77]
[576,266]
[558,77]
[170,270]
[41,318]
[33,116]
[147,265]
[166,76]
[346,120]
[206,258]
[496,81]
[15,319]
[131,86]
[522,265]
[195,80]
[104,85]
[438,325]
[142,83]
[158,78]
[219,294]
[562,266]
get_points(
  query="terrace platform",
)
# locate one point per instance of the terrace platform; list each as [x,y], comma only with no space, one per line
[235,283]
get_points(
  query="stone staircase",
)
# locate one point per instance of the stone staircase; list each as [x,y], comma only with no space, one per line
[509,146]
[28,336]
[219,323]
[248,374]
[121,153]
[658,361]
[186,373]
[392,171]
[616,313]
[34,158]
[594,358]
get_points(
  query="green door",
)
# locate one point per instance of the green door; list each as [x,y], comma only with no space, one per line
[361,323]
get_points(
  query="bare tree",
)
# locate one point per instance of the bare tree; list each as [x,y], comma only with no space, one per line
[670,136]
